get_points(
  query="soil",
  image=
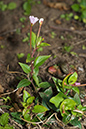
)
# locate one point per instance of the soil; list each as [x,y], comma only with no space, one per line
[67,33]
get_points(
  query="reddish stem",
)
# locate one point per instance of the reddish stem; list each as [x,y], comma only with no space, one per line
[30,38]
[39,31]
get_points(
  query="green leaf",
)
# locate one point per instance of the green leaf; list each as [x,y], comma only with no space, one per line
[16,117]
[39,109]
[45,104]
[62,16]
[33,41]
[7,127]
[75,7]
[26,111]
[11,5]
[39,49]
[65,82]
[29,59]
[73,78]
[20,55]
[3,7]
[26,95]
[76,89]
[70,15]
[4,119]
[67,104]
[44,85]
[76,122]
[58,83]
[47,94]
[23,104]
[56,100]
[43,44]
[27,7]
[22,19]
[23,83]
[39,40]
[40,60]
[77,99]
[84,14]
[66,119]
[36,79]
[84,108]
[27,117]
[30,99]
[25,39]
[25,67]
[83,3]
[76,17]
[40,115]
[36,71]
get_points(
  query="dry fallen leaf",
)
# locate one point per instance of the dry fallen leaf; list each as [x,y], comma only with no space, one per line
[15,108]
[1,38]
[57,5]
[1,89]
[58,22]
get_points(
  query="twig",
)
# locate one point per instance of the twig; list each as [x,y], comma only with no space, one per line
[79,42]
[16,72]
[8,93]
[31,122]
[66,29]
[59,122]
[49,118]
[80,112]
[19,125]
[1,110]
[4,33]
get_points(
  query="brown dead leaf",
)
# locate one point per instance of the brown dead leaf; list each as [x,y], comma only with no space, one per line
[1,89]
[1,38]
[56,5]
[12,109]
[15,108]
[58,22]
[18,92]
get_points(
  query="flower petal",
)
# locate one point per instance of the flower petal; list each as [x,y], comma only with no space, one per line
[33,19]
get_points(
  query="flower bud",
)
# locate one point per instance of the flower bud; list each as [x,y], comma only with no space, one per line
[41,21]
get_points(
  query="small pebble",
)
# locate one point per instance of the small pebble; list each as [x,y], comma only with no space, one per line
[80,69]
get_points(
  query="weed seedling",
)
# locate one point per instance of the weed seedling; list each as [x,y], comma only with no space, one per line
[49,99]
[67,16]
[20,55]
[4,120]
[22,19]
[10,6]
[53,34]
[67,48]
[84,47]
[80,9]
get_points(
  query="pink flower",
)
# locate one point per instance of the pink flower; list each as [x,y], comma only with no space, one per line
[33,19]
[41,21]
